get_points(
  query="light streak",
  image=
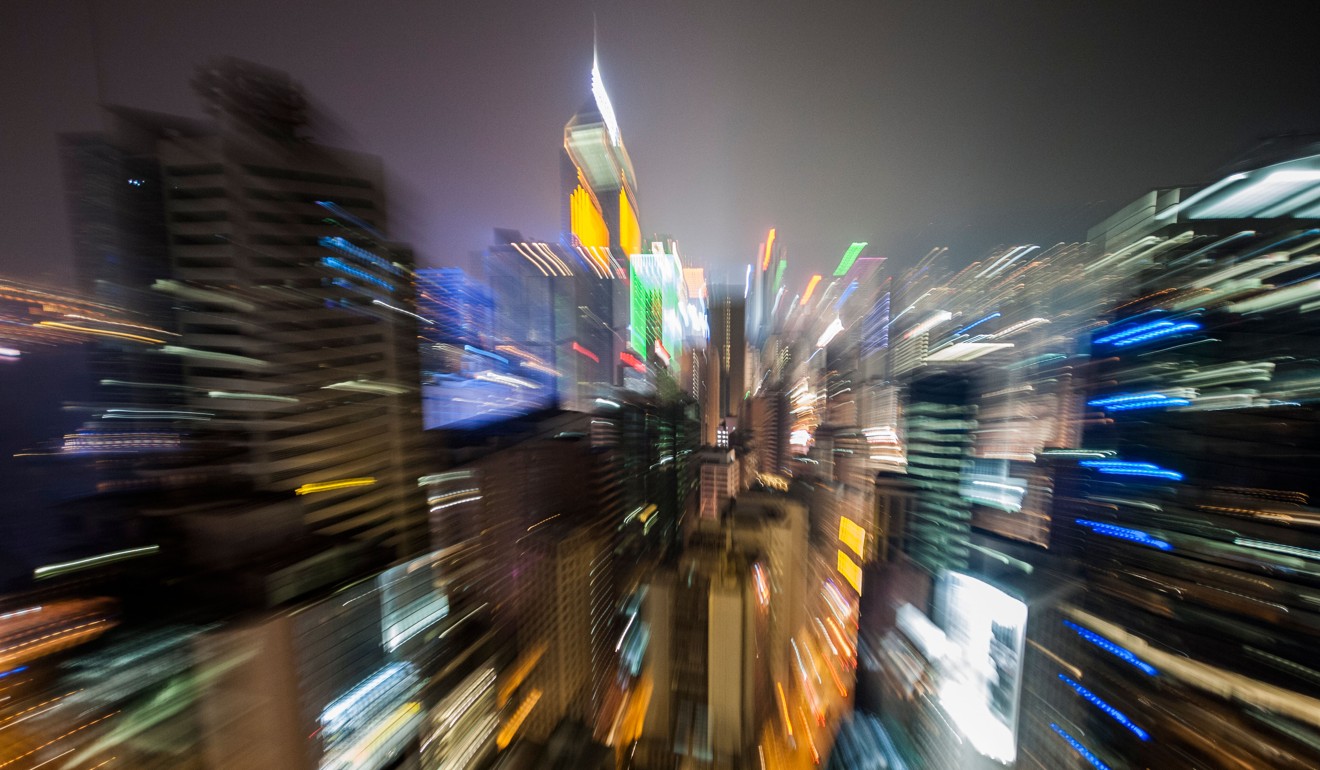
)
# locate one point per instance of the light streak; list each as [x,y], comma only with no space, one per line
[1111,648]
[52,570]
[811,288]
[328,486]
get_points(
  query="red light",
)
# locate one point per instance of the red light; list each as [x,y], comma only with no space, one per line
[633,361]
[586,352]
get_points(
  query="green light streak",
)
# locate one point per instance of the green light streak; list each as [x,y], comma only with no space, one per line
[849,257]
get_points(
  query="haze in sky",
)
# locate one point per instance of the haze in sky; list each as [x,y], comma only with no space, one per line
[905,124]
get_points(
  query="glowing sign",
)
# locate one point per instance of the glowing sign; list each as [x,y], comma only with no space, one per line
[585,220]
[830,333]
[633,361]
[579,349]
[661,353]
[849,257]
[850,571]
[982,673]
[630,232]
[852,535]
[811,287]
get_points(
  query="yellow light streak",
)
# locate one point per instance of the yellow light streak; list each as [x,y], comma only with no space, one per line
[102,332]
[328,486]
[510,728]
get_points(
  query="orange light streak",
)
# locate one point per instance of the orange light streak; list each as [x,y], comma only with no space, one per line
[769,244]
[811,287]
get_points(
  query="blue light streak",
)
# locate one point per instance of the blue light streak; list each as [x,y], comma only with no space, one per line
[1113,649]
[1132,401]
[847,292]
[1127,468]
[344,247]
[486,353]
[1124,533]
[356,272]
[976,323]
[1134,335]
[1114,713]
[1079,748]
[12,671]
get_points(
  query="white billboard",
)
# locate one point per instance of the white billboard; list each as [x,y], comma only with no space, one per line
[981,673]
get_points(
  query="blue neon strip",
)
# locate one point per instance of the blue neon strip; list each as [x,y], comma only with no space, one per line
[1147,331]
[1128,468]
[1114,713]
[356,272]
[1112,649]
[1136,401]
[18,670]
[976,323]
[344,247]
[1127,407]
[1124,533]
[1079,748]
[852,287]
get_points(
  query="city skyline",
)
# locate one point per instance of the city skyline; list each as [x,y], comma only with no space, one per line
[993,140]
[915,389]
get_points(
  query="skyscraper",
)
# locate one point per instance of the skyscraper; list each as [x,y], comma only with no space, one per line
[600,187]
[728,336]
[297,343]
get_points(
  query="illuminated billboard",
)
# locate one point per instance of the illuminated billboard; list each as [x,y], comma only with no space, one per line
[850,571]
[981,673]
[852,535]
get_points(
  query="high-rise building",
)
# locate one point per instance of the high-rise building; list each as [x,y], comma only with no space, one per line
[1188,503]
[287,378]
[721,624]
[600,186]
[297,337]
[719,481]
[728,336]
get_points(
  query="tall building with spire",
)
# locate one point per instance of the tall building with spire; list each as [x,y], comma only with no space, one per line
[600,187]
[600,214]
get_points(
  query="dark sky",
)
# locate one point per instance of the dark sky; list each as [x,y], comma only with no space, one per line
[906,124]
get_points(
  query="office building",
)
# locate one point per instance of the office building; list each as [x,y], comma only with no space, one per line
[296,342]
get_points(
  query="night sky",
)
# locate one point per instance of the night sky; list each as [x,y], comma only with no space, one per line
[906,124]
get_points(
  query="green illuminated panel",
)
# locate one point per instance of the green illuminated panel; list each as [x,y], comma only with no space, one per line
[849,257]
